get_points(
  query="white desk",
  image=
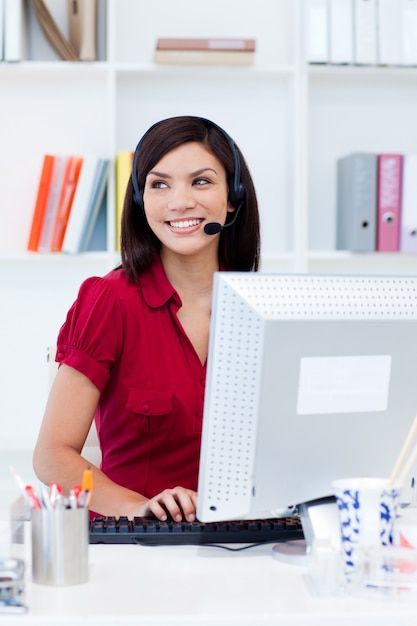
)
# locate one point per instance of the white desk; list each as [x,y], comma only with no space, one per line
[198,586]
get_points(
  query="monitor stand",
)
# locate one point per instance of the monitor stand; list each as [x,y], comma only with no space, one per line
[319,519]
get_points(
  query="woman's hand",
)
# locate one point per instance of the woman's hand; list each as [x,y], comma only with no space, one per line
[178,503]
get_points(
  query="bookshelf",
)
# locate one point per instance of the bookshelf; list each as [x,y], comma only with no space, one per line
[291,120]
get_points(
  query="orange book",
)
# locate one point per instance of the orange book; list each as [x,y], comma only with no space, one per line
[71,176]
[41,202]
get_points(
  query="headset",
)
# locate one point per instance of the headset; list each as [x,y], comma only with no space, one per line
[236,189]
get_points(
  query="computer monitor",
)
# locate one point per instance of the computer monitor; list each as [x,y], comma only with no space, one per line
[310,378]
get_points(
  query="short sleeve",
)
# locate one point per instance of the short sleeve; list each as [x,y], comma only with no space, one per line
[91,337]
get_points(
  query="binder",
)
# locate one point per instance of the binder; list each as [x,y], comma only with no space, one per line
[390,32]
[389,202]
[365,32]
[408,228]
[356,202]
[2,29]
[15,30]
[409,32]
[317,29]
[341,31]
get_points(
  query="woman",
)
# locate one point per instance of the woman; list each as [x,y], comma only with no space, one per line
[133,348]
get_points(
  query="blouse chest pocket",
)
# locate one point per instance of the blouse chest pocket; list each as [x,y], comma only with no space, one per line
[153,409]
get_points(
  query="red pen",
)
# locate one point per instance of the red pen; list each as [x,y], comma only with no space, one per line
[27,490]
[32,497]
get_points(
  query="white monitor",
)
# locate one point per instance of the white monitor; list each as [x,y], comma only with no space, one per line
[310,378]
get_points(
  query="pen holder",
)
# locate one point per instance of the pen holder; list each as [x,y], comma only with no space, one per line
[60,546]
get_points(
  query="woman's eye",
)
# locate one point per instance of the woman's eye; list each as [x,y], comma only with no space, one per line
[201,181]
[158,184]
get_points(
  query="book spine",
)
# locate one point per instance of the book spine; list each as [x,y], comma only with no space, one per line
[356,202]
[365,32]
[224,44]
[77,217]
[52,204]
[203,57]
[124,160]
[389,202]
[408,235]
[95,202]
[341,31]
[72,173]
[41,202]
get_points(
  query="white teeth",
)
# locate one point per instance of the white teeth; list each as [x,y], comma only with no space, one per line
[185,223]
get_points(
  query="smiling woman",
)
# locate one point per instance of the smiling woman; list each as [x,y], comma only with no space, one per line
[133,348]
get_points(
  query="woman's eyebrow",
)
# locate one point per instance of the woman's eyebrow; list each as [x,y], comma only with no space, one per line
[192,174]
[159,174]
[202,170]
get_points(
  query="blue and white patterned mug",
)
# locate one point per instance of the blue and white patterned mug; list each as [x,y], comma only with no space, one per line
[367,510]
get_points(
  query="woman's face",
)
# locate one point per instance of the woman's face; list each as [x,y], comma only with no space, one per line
[185,190]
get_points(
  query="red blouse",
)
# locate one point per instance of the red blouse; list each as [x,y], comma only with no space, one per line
[127,339]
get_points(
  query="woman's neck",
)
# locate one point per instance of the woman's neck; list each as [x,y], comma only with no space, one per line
[188,274]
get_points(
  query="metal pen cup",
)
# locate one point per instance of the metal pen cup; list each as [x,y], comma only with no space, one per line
[60,546]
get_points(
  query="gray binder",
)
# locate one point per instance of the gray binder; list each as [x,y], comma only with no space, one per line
[356,202]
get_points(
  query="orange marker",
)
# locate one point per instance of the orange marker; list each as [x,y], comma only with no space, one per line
[86,488]
[87,480]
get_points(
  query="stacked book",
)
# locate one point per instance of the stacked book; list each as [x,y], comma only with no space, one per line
[201,51]
[377,202]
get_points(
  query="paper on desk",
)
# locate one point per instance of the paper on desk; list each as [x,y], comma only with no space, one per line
[343,384]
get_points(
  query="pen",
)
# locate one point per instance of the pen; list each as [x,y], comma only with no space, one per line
[55,495]
[33,499]
[86,488]
[27,490]
[87,480]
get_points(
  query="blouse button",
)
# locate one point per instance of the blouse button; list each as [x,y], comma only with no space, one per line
[146,407]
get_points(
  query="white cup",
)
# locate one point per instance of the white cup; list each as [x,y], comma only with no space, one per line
[367,512]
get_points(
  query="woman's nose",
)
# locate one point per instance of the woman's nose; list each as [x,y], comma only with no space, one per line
[181,197]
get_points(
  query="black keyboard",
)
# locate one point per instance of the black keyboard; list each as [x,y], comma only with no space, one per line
[150,531]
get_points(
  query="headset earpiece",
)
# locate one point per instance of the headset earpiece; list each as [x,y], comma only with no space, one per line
[137,196]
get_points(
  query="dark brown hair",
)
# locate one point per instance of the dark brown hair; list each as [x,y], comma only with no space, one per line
[239,247]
